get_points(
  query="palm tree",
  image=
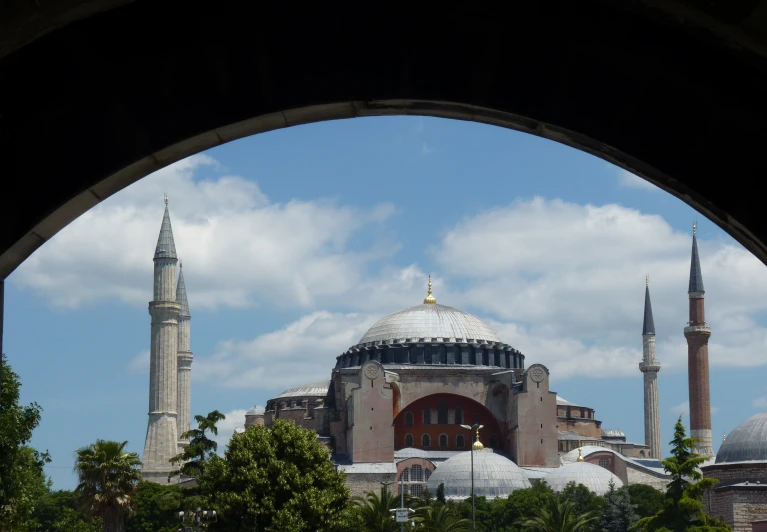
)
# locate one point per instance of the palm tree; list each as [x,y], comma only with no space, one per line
[107,481]
[375,510]
[559,516]
[440,518]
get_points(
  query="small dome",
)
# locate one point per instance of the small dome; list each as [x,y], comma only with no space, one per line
[312,389]
[255,411]
[594,477]
[494,476]
[430,320]
[747,443]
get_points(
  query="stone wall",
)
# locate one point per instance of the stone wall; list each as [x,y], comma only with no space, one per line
[734,473]
[738,506]
[638,476]
[359,483]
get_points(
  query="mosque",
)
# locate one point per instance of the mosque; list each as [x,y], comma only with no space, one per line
[430,382]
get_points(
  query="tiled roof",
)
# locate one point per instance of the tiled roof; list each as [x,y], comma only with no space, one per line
[696,277]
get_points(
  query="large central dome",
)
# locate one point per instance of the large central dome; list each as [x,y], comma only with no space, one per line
[428,321]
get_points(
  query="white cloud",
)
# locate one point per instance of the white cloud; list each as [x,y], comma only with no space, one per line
[233,420]
[682,409]
[139,363]
[760,402]
[628,180]
[239,248]
[302,351]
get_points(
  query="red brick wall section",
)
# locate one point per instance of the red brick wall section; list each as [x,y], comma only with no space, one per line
[434,430]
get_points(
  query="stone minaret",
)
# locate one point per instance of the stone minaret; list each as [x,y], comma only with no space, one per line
[184,360]
[162,432]
[697,334]
[650,368]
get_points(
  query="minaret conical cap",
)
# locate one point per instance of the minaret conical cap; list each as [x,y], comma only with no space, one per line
[166,247]
[181,295]
[648,326]
[696,277]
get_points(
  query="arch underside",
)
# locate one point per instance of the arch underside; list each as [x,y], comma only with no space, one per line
[93,105]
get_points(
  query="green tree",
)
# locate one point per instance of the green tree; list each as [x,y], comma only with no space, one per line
[506,512]
[618,514]
[584,500]
[558,516]
[108,478]
[645,499]
[440,518]
[59,511]
[375,510]
[70,520]
[22,480]
[441,493]
[200,447]
[683,508]
[276,479]
[157,507]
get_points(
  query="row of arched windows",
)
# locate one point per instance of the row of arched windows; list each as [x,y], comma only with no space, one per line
[460,441]
[442,416]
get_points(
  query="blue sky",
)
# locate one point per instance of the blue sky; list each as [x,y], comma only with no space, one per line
[297,240]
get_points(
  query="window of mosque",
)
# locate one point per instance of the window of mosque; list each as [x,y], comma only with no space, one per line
[604,462]
[458,416]
[641,454]
[408,440]
[408,419]
[427,416]
[443,441]
[459,441]
[442,413]
[416,473]
[425,441]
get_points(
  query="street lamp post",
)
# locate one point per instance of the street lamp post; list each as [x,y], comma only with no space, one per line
[476,445]
[199,516]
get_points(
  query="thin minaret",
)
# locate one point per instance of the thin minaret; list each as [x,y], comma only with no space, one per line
[184,360]
[650,368]
[697,334]
[162,431]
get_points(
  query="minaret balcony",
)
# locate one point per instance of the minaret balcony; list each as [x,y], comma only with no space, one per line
[697,329]
[649,367]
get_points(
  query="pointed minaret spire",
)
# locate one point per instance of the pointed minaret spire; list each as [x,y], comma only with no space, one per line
[650,368]
[166,247]
[181,293]
[648,326]
[696,277]
[697,334]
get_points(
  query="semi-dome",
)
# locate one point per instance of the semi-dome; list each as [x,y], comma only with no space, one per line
[747,443]
[428,321]
[312,389]
[494,476]
[595,478]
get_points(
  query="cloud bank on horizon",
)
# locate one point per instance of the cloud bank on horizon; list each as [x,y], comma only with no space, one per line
[563,282]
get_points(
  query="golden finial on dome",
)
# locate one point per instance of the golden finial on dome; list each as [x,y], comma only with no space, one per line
[477,446]
[430,300]
[580,451]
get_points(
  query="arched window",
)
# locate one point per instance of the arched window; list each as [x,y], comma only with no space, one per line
[427,416]
[458,416]
[408,419]
[425,441]
[408,440]
[414,480]
[641,454]
[442,413]
[443,441]
[493,441]
[459,441]
[604,462]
